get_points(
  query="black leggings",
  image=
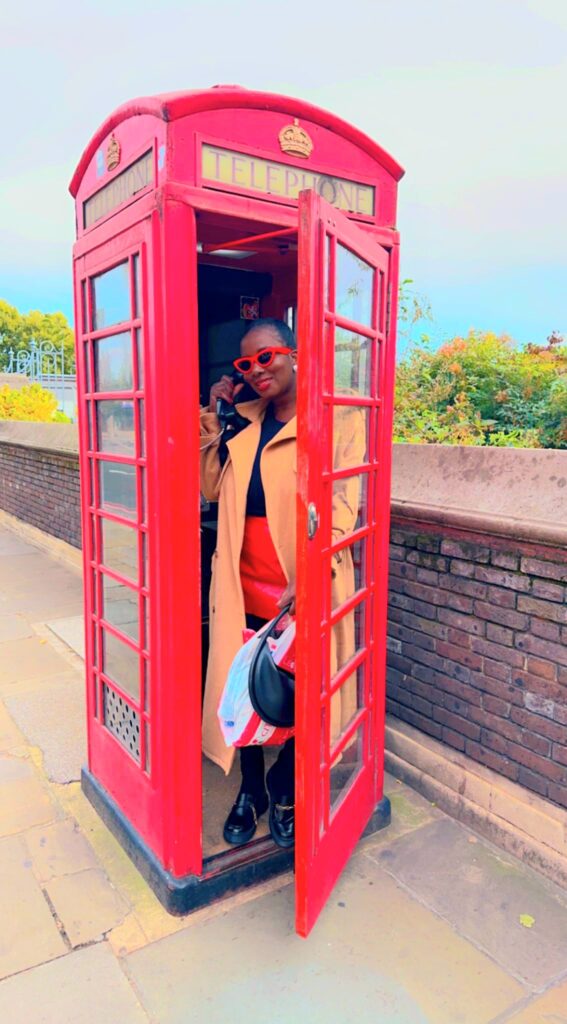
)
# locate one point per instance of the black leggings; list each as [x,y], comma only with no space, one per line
[282,774]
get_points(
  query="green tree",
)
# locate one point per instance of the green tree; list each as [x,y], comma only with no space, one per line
[18,330]
[483,390]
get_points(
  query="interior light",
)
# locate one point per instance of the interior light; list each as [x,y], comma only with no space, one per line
[232,254]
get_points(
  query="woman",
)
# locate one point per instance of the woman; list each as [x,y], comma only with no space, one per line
[254,563]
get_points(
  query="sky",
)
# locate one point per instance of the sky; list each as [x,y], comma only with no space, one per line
[469,98]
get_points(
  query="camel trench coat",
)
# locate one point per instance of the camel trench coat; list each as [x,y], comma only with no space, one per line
[229,486]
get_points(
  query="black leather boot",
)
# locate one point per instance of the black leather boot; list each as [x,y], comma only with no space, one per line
[282,817]
[242,820]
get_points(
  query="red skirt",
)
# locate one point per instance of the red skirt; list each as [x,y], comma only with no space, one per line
[260,571]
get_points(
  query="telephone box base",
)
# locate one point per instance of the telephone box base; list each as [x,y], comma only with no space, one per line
[380,817]
[223,874]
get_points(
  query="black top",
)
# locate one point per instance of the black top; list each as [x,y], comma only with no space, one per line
[256,499]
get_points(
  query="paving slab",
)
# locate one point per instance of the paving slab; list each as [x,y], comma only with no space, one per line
[86,904]
[484,894]
[58,849]
[14,627]
[25,802]
[375,955]
[29,934]
[30,658]
[551,1008]
[10,735]
[11,544]
[52,715]
[72,631]
[84,987]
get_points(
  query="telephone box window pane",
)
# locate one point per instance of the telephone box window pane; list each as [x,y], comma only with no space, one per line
[115,427]
[84,306]
[111,297]
[140,354]
[349,636]
[137,292]
[354,287]
[113,363]
[118,488]
[121,664]
[346,767]
[120,548]
[348,572]
[352,362]
[142,428]
[87,355]
[120,607]
[350,504]
[351,434]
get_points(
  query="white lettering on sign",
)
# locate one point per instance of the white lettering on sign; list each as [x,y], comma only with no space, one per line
[242,171]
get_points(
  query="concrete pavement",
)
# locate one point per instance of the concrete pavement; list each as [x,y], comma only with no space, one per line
[429,923]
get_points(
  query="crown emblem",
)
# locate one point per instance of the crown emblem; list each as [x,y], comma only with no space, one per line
[112,153]
[295,140]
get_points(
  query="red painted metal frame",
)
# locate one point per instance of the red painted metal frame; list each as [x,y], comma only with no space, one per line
[165,805]
[324,839]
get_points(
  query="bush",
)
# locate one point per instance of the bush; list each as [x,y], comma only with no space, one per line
[482,390]
[32,403]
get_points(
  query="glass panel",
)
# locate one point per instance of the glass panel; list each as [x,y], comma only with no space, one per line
[354,287]
[348,572]
[137,284]
[327,271]
[115,427]
[144,515]
[146,673]
[94,591]
[113,363]
[87,354]
[95,649]
[352,362]
[345,768]
[84,307]
[121,664]
[351,434]
[349,636]
[120,548]
[347,701]
[92,481]
[140,352]
[118,488]
[142,427]
[145,561]
[111,297]
[120,607]
[350,504]
[145,619]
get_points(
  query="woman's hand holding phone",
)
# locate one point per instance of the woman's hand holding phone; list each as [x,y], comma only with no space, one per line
[226,389]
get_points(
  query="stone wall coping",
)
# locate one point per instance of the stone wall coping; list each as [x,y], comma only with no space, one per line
[517,492]
[53,437]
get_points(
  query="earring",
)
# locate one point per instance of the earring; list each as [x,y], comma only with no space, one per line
[294,368]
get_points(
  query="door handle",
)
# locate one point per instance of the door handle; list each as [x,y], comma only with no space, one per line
[312,520]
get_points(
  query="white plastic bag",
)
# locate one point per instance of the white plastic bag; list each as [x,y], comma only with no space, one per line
[240,725]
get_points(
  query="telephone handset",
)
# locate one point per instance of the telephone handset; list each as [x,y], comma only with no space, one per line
[230,419]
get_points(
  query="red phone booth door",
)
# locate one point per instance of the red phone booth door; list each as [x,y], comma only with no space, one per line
[343,518]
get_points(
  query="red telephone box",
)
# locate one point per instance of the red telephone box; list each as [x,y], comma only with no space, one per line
[195,212]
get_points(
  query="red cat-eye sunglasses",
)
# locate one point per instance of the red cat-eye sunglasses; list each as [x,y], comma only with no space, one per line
[263,358]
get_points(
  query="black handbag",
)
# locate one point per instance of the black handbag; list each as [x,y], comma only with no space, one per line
[272,689]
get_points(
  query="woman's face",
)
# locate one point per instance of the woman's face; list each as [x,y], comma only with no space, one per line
[276,379]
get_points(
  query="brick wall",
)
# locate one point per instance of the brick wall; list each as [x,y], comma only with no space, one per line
[477,643]
[42,488]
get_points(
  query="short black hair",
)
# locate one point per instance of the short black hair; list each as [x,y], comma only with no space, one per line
[284,332]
